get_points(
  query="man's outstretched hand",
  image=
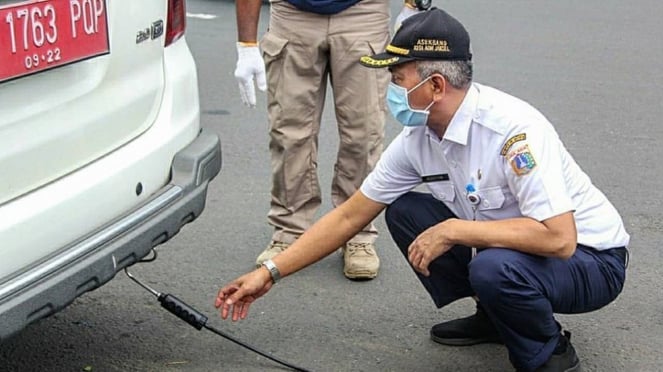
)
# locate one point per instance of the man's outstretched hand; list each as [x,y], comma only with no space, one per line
[237,297]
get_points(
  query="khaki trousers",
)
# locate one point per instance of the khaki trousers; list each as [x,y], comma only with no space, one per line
[302,52]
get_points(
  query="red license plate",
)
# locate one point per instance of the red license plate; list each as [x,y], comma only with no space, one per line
[38,35]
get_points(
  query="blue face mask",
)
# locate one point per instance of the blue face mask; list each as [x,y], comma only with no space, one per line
[397,101]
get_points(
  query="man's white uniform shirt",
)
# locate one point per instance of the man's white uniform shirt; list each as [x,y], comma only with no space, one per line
[505,151]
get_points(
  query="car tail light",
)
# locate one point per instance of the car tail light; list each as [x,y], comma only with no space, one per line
[176,20]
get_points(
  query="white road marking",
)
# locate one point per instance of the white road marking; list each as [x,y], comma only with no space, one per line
[201,15]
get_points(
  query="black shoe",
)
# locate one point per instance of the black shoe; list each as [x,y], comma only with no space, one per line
[564,358]
[472,330]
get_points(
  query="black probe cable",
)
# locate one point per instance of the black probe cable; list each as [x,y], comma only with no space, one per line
[198,321]
[240,343]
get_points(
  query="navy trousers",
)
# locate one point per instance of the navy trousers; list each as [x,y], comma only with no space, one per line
[520,292]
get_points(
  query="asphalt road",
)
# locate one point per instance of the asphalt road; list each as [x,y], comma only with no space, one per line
[592,67]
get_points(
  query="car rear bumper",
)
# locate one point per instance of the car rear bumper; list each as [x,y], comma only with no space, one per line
[93,261]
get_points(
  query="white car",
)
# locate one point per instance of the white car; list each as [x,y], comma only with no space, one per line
[101,152]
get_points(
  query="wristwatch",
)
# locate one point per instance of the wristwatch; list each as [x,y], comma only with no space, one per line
[273,270]
[418,4]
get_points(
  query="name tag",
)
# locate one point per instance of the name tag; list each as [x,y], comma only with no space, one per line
[435,178]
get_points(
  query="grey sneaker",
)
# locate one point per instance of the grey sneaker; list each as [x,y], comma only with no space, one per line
[360,261]
[274,248]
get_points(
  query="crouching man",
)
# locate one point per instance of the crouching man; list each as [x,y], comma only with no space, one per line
[510,219]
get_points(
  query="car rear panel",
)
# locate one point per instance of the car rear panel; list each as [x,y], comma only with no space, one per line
[83,144]
[102,156]
[56,121]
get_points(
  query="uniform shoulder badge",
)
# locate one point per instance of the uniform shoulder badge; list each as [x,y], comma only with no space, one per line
[521,160]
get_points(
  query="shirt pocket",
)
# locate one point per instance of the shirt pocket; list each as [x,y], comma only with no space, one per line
[445,192]
[491,198]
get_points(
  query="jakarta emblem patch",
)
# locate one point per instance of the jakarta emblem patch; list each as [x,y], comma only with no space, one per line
[522,161]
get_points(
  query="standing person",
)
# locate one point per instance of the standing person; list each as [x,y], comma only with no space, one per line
[511,220]
[308,43]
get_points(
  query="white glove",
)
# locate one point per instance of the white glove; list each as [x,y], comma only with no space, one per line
[405,13]
[250,66]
